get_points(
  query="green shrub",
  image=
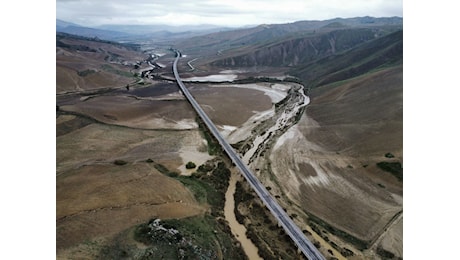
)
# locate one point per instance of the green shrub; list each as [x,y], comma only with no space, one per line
[384,253]
[161,168]
[173,174]
[85,73]
[317,244]
[389,155]
[197,174]
[190,165]
[205,168]
[347,252]
[395,168]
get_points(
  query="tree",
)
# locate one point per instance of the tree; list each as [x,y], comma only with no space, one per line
[190,165]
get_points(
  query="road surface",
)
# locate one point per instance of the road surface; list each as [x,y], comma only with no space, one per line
[286,222]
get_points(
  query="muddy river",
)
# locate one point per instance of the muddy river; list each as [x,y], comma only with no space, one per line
[238,230]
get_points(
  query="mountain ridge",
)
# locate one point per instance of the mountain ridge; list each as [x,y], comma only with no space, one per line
[123,31]
[128,32]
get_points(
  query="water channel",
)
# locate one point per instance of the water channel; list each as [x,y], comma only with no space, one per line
[238,230]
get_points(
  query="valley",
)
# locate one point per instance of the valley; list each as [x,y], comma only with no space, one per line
[313,130]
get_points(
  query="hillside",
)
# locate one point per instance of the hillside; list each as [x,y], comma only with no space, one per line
[381,52]
[72,28]
[363,115]
[289,44]
[299,50]
[89,63]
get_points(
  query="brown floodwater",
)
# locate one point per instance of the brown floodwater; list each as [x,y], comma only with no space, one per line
[238,230]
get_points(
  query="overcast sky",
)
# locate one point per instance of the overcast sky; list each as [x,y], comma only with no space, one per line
[218,12]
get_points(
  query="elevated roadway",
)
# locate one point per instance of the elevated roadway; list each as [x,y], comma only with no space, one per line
[307,248]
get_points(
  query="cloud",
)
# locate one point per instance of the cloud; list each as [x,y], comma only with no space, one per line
[235,12]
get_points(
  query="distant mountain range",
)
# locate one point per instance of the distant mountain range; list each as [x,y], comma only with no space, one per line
[60,24]
[167,32]
[270,33]
[71,28]
[124,32]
